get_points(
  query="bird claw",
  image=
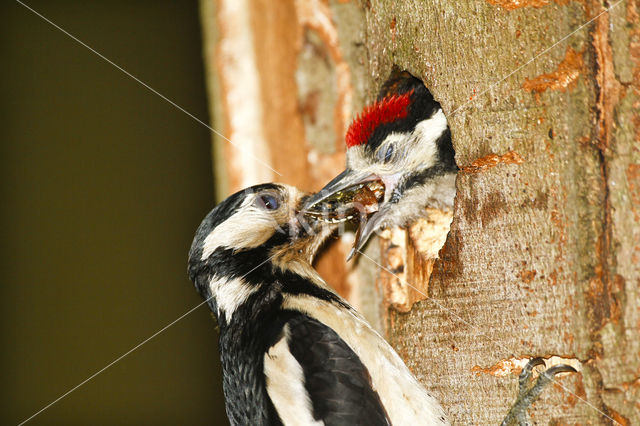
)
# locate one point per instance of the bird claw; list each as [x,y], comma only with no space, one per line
[525,375]
[528,394]
[560,368]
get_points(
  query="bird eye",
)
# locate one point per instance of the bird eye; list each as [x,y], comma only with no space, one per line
[267,202]
[388,154]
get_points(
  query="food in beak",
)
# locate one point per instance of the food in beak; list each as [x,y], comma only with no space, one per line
[353,203]
[357,203]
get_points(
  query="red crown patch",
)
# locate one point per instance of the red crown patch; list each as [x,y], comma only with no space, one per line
[389,109]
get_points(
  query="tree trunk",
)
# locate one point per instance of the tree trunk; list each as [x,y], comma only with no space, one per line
[543,254]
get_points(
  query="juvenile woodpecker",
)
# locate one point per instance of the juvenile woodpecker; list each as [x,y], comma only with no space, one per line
[400,159]
[294,352]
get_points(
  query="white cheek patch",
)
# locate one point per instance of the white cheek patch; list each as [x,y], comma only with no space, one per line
[230,294]
[427,133]
[248,228]
[422,149]
[285,385]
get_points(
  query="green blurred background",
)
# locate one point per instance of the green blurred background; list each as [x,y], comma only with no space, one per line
[103,185]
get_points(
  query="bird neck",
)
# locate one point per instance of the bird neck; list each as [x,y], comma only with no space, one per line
[258,279]
[244,339]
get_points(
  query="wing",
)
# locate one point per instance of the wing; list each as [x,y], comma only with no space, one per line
[325,380]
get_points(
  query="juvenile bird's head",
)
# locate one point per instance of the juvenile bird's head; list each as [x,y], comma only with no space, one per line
[253,235]
[400,159]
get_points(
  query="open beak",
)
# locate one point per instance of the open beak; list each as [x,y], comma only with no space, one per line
[352,195]
[346,182]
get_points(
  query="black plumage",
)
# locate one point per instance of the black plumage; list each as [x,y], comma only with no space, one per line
[338,383]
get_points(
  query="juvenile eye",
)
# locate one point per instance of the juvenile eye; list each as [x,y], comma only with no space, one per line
[268,202]
[388,154]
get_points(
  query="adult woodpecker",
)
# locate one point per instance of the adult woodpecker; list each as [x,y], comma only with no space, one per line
[400,159]
[293,351]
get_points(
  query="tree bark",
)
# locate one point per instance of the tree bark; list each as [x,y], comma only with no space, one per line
[543,253]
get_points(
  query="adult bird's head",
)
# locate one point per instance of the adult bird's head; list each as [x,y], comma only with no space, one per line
[253,234]
[400,159]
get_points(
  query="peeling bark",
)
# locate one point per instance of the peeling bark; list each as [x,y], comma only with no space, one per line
[514,366]
[492,160]
[562,79]
[517,4]
[411,253]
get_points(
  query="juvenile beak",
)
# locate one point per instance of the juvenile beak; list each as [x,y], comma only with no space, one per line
[345,180]
[354,194]
[367,227]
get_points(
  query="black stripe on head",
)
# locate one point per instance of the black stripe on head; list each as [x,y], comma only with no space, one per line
[446,153]
[417,179]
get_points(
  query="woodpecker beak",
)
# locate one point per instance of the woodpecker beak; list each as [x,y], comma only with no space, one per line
[353,195]
[345,183]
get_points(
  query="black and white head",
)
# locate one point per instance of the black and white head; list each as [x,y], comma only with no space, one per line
[400,159]
[252,234]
